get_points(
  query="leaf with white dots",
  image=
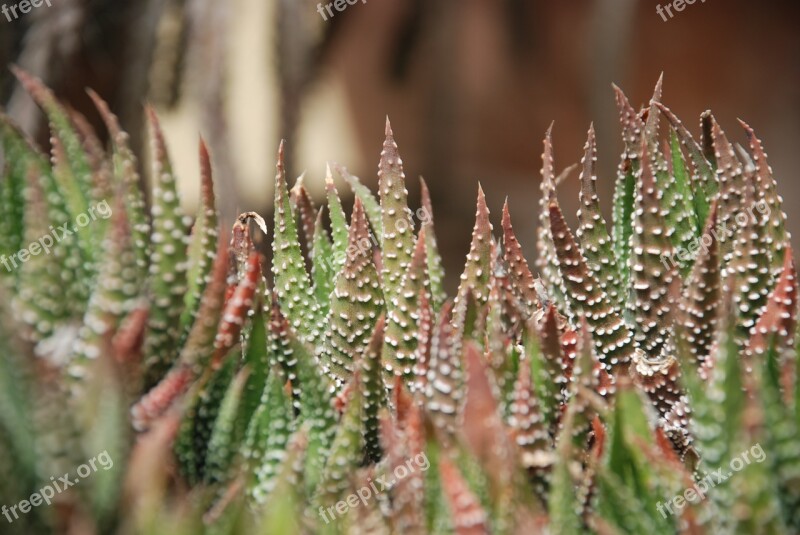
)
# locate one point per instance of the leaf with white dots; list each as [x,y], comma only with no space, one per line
[346,451]
[203,242]
[356,302]
[701,295]
[703,180]
[400,344]
[477,271]
[653,268]
[592,233]
[371,204]
[750,263]
[291,280]
[435,269]
[167,279]
[398,228]
[547,260]
[126,177]
[264,447]
[766,190]
[613,341]
[339,227]
[444,387]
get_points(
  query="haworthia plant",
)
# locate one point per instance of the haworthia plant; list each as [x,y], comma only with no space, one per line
[348,393]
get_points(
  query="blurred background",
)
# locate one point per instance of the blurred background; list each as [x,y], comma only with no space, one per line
[470,87]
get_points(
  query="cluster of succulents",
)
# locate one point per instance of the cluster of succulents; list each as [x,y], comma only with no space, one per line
[243,392]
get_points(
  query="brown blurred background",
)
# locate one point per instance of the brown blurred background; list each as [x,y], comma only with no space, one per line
[470,86]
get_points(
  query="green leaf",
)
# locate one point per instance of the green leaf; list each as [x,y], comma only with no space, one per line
[704,182]
[167,282]
[750,265]
[701,296]
[400,345]
[444,389]
[267,436]
[202,244]
[225,435]
[651,275]
[522,282]
[475,280]
[197,426]
[766,189]
[371,204]
[678,195]
[292,283]
[625,187]
[113,298]
[339,227]
[612,340]
[72,169]
[20,161]
[547,260]
[126,177]
[435,269]
[322,269]
[346,452]
[596,244]
[398,227]
[374,392]
[356,303]
[563,506]
[257,362]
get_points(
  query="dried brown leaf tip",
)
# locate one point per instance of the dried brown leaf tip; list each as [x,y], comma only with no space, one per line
[241,239]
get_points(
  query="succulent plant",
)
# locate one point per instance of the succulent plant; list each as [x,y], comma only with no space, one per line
[335,388]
